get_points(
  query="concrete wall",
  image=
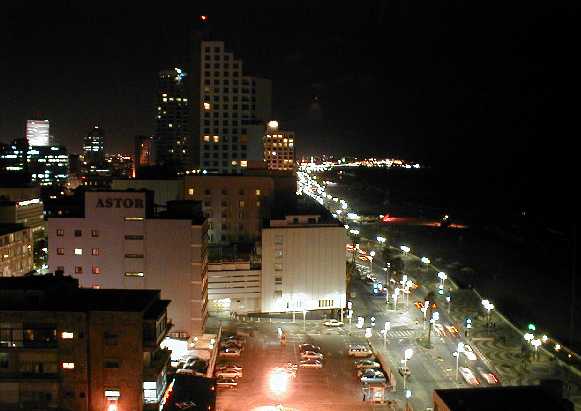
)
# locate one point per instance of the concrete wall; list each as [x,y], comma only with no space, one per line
[164,190]
[310,263]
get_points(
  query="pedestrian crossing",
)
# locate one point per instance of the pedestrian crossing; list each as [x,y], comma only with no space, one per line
[405,333]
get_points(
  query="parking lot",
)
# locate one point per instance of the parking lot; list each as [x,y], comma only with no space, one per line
[332,387]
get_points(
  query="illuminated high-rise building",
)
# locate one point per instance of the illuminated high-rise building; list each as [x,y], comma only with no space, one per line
[94,148]
[172,131]
[37,133]
[228,107]
[279,151]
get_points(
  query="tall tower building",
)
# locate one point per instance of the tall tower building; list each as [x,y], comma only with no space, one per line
[94,147]
[143,151]
[230,106]
[37,132]
[172,131]
[279,148]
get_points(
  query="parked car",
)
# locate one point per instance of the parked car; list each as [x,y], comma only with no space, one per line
[469,353]
[358,351]
[311,364]
[362,364]
[370,376]
[469,376]
[490,377]
[245,332]
[230,352]
[309,347]
[233,344]
[311,355]
[333,323]
[186,405]
[228,373]
[362,371]
[236,339]
[226,383]
[229,365]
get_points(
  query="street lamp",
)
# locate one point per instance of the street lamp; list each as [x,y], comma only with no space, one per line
[528,337]
[381,239]
[407,354]
[405,249]
[459,350]
[395,295]
[536,343]
[488,306]
[371,255]
[304,319]
[386,329]
[425,260]
[449,301]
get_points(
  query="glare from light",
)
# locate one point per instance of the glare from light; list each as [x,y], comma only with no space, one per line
[278,382]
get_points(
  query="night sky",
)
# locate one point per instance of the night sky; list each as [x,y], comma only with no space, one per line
[434,81]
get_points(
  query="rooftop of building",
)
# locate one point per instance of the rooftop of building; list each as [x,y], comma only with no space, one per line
[10,228]
[533,397]
[52,292]
[304,206]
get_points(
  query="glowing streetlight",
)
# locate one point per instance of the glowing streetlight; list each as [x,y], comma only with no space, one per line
[381,239]
[407,354]
[425,260]
[488,306]
[371,255]
[528,337]
[278,382]
[395,295]
[354,232]
[459,350]
[536,343]
[405,249]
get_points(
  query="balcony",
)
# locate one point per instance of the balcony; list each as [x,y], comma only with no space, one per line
[28,338]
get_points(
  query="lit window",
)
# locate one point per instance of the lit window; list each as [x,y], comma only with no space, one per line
[257,192]
[112,393]
[78,251]
[216,139]
[96,269]
[170,125]
[244,163]
[133,218]
[207,106]
[67,335]
[68,365]
[78,269]
[190,191]
[60,232]
[207,139]
[60,251]
[134,273]
[241,204]
[234,162]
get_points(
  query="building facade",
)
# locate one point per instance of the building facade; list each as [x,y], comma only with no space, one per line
[38,132]
[303,264]
[172,131]
[64,347]
[234,205]
[229,103]
[233,286]
[16,255]
[23,205]
[120,243]
[48,165]
[279,151]
[164,191]
[142,153]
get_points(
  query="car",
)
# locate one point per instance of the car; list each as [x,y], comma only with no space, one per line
[362,364]
[186,405]
[233,344]
[404,371]
[230,352]
[419,305]
[228,373]
[230,365]
[469,376]
[309,347]
[226,382]
[370,376]
[358,351]
[469,353]
[362,371]
[311,364]
[333,323]
[236,339]
[311,355]
[490,377]
[186,371]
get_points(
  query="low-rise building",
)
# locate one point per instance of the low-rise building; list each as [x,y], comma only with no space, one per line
[233,286]
[22,204]
[120,243]
[303,262]
[70,348]
[16,256]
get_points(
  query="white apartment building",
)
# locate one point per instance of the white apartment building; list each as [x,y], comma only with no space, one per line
[303,264]
[119,244]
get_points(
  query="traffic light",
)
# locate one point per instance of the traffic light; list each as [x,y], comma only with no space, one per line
[532,327]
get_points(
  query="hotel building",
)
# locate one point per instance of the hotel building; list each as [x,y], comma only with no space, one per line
[279,151]
[120,243]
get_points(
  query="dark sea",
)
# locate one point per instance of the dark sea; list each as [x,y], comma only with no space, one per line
[517,250]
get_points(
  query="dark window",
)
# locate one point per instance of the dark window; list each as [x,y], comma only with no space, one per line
[111,363]
[94,233]
[78,233]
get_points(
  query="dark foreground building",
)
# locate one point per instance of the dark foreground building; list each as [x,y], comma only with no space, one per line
[68,348]
[545,397]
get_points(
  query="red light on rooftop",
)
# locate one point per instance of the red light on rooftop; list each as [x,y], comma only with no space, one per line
[203,17]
